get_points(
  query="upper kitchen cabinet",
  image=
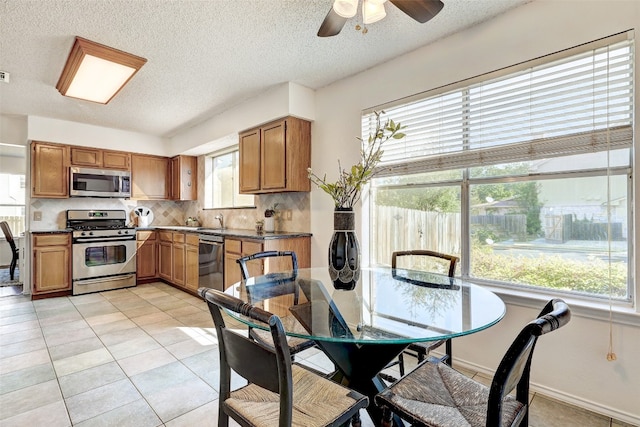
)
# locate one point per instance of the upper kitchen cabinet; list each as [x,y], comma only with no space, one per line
[184,177]
[81,156]
[150,177]
[96,158]
[275,157]
[249,143]
[116,160]
[49,170]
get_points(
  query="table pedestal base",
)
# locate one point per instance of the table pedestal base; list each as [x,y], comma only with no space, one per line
[358,366]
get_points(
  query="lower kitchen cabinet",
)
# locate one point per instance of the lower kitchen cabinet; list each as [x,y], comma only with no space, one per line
[178,259]
[191,263]
[178,253]
[165,255]
[146,255]
[236,248]
[51,263]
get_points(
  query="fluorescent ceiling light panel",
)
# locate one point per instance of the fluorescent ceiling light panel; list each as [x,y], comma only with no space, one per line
[95,72]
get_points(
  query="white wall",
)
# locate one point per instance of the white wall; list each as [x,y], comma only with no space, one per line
[73,133]
[287,99]
[13,130]
[571,363]
[13,159]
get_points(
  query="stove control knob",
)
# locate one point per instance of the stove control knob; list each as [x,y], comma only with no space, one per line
[83,233]
[91,233]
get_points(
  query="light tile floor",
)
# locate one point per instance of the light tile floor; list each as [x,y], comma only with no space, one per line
[143,356]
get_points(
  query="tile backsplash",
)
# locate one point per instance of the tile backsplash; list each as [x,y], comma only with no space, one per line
[53,211]
[166,212]
[298,203]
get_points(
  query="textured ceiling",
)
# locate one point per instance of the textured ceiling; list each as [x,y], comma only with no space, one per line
[203,56]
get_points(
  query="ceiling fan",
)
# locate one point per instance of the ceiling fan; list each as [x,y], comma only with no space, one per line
[373,11]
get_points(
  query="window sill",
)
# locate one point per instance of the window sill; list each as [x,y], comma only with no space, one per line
[621,313]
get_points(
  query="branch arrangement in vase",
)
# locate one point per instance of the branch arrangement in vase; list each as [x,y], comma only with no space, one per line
[345,191]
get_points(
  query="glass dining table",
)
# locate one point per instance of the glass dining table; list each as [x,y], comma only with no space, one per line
[363,329]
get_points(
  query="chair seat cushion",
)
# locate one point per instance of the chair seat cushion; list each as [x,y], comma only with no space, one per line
[296,344]
[316,401]
[436,395]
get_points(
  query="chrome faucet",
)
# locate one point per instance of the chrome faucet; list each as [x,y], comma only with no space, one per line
[220,218]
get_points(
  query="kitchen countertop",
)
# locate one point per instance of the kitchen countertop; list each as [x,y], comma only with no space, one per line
[230,232]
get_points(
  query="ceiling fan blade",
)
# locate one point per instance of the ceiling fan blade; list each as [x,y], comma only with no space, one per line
[332,24]
[420,10]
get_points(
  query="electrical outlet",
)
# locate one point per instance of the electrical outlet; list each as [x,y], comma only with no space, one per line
[4,76]
[287,215]
[37,215]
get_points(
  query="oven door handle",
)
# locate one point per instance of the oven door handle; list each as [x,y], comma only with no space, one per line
[101,240]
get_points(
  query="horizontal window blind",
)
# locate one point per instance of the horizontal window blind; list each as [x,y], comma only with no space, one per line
[578,104]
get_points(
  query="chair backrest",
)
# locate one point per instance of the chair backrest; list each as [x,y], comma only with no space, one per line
[513,371]
[8,235]
[267,254]
[267,368]
[450,261]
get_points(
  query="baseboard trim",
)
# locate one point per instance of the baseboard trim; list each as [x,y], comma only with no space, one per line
[606,411]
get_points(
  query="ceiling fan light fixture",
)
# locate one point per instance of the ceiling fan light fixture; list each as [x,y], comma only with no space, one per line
[373,11]
[95,72]
[346,8]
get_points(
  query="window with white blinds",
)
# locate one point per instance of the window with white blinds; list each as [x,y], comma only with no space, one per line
[569,103]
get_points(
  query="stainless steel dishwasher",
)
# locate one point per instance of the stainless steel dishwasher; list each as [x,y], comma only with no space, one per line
[211,261]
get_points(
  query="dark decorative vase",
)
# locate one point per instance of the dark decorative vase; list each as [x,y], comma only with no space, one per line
[344,251]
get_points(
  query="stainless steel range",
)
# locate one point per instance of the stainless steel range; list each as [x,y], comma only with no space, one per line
[104,250]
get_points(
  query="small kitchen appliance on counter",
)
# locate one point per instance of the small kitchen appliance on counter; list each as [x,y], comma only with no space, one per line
[104,250]
[144,215]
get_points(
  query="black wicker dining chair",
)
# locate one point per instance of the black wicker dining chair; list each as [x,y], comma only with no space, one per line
[15,252]
[434,394]
[296,345]
[429,260]
[279,392]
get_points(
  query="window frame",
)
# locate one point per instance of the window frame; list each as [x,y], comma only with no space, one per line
[209,176]
[466,181]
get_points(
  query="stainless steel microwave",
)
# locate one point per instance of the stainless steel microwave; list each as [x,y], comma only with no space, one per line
[87,182]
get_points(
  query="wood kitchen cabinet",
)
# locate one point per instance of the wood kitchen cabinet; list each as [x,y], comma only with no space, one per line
[249,143]
[236,248]
[116,160]
[178,252]
[178,259]
[165,255]
[85,156]
[184,178]
[97,158]
[150,177]
[275,157]
[146,255]
[51,263]
[192,277]
[49,170]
